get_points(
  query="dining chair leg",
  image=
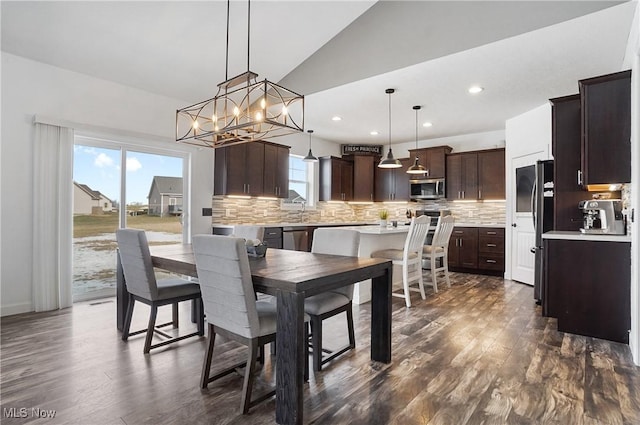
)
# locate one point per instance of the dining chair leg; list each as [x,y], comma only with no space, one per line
[433,273]
[127,319]
[199,307]
[248,376]
[150,328]
[352,334]
[174,315]
[420,279]
[208,355]
[316,341]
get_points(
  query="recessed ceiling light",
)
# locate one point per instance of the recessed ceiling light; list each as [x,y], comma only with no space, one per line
[336,118]
[475,89]
[374,133]
[427,124]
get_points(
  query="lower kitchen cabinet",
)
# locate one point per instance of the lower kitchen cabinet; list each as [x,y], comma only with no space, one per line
[477,250]
[273,237]
[587,287]
[463,248]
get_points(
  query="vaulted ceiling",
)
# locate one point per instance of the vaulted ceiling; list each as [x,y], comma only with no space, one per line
[341,54]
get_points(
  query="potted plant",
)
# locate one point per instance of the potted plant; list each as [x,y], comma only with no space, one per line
[383,214]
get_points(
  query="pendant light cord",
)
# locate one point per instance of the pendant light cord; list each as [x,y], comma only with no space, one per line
[416,127]
[226,64]
[390,119]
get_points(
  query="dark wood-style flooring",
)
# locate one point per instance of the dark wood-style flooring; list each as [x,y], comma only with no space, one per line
[476,353]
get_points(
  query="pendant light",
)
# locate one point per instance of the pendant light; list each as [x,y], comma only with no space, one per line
[310,157]
[389,161]
[416,168]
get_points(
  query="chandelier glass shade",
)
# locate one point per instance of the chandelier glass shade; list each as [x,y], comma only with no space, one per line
[416,168]
[389,161]
[243,110]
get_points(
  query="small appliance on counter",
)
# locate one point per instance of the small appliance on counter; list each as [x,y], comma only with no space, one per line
[602,216]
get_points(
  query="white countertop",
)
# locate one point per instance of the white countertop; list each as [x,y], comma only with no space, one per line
[498,225]
[579,236]
[377,229]
[354,223]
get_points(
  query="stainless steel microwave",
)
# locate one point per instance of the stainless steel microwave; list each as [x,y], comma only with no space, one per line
[427,189]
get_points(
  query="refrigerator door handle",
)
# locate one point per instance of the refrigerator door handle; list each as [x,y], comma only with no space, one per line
[533,203]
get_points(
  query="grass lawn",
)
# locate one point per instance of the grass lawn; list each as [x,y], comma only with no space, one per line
[93,225]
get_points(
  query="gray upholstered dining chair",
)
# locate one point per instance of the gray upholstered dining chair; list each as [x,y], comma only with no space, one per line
[143,286]
[328,304]
[231,308]
[410,257]
[248,232]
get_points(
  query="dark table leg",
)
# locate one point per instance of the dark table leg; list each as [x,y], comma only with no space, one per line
[290,358]
[381,317]
[122,295]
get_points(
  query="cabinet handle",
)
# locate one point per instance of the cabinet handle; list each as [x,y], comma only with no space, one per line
[491,233]
[459,195]
[461,242]
[427,173]
[579,178]
[463,194]
[479,193]
[491,261]
[492,245]
[458,232]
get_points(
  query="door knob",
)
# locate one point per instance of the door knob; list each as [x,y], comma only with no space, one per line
[514,225]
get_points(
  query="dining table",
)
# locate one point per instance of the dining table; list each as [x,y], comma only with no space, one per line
[292,276]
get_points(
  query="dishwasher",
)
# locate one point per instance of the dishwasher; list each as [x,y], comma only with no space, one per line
[295,238]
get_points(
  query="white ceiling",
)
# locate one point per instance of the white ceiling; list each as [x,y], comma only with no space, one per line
[342,55]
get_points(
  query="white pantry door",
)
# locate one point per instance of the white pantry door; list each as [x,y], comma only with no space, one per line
[523,237]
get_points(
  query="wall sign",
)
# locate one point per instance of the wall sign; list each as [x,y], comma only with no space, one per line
[361,149]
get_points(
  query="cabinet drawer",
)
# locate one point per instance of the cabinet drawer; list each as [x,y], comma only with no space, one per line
[491,262]
[491,244]
[272,232]
[461,232]
[273,242]
[491,231]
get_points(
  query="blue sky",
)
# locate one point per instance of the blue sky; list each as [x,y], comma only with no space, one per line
[99,169]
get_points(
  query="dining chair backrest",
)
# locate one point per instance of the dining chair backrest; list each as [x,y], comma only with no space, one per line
[136,263]
[443,231]
[248,232]
[417,234]
[337,242]
[225,283]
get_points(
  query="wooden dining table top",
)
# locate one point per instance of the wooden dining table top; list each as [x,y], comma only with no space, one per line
[292,271]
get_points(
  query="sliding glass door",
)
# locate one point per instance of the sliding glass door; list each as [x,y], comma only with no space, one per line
[118,185]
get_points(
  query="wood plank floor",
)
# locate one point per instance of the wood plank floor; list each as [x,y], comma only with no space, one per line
[476,353]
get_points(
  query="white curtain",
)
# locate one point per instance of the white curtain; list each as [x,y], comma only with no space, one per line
[52,217]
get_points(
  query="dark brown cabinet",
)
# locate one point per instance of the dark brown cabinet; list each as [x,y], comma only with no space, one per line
[491,174]
[462,176]
[363,177]
[276,171]
[566,145]
[432,159]
[606,128]
[491,248]
[392,184]
[592,299]
[252,169]
[273,237]
[336,179]
[463,248]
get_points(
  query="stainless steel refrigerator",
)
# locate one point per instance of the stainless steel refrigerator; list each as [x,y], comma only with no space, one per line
[542,210]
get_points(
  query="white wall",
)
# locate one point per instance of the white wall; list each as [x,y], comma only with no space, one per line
[30,88]
[460,143]
[525,134]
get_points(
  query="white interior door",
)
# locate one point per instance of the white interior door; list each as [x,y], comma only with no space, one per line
[523,236]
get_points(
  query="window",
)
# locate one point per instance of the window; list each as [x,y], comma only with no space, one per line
[300,184]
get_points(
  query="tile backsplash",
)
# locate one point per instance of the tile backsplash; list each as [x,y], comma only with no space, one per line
[247,211]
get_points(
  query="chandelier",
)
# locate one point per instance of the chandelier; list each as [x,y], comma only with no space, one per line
[243,110]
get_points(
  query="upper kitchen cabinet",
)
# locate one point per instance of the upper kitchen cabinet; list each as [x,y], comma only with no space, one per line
[363,177]
[476,175]
[392,184]
[276,170]
[239,169]
[566,145]
[491,174]
[433,160]
[462,176]
[252,169]
[606,128]
[336,179]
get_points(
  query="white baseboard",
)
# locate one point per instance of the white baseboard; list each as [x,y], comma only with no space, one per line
[11,309]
